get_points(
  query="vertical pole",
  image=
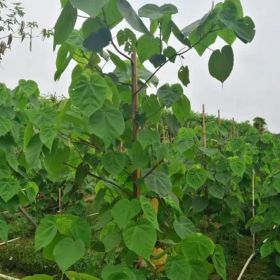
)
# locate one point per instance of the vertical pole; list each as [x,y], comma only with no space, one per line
[135,128]
[203,127]
[253,209]
[219,117]
[59,201]
[219,123]
[233,128]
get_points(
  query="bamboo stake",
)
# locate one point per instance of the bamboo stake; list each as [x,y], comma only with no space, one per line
[59,201]
[253,236]
[219,117]
[203,127]
[245,266]
[233,128]
[7,277]
[253,210]
[9,241]
[135,128]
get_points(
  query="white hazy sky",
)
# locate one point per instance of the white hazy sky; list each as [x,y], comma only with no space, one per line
[253,88]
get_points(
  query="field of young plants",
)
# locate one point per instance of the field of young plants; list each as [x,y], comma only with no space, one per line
[122,181]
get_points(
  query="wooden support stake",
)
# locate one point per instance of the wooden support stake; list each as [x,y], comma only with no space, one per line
[253,210]
[135,128]
[253,236]
[6,277]
[233,128]
[59,201]
[9,241]
[219,117]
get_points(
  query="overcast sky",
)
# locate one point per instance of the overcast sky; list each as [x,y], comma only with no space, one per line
[253,88]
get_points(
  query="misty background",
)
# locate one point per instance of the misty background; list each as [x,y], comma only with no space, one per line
[252,89]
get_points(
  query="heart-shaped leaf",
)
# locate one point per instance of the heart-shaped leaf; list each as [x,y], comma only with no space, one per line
[124,210]
[98,40]
[67,252]
[221,63]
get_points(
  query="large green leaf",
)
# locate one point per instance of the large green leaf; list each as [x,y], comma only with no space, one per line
[117,272]
[155,12]
[33,151]
[159,183]
[181,268]
[185,139]
[140,238]
[9,187]
[124,210]
[107,123]
[111,237]
[237,165]
[3,230]
[245,29]
[55,160]
[221,63]
[131,16]
[114,162]
[65,223]
[81,229]
[168,95]
[5,125]
[219,261]
[200,41]
[196,177]
[89,94]
[98,40]
[67,252]
[31,190]
[197,247]
[63,59]
[65,24]
[47,136]
[182,109]
[149,211]
[111,14]
[72,275]
[91,7]
[183,227]
[266,249]
[148,137]
[45,232]
[147,46]
[151,108]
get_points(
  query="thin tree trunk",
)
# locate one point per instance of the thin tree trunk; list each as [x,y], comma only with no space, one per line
[135,128]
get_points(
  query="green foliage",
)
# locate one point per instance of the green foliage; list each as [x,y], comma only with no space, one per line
[106,146]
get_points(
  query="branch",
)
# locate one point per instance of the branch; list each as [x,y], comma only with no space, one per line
[103,179]
[179,53]
[113,44]
[28,217]
[120,52]
[83,16]
[152,169]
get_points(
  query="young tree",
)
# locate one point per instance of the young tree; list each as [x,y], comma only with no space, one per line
[108,131]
